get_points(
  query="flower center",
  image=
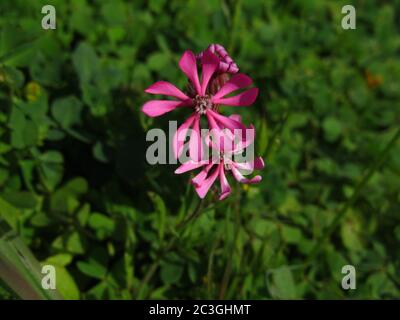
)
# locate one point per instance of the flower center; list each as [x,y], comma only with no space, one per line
[202,103]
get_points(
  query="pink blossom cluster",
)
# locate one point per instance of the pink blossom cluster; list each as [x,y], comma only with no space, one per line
[204,96]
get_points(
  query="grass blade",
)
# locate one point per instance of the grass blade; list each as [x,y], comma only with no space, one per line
[19,269]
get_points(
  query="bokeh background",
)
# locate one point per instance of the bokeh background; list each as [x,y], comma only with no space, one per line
[75,185]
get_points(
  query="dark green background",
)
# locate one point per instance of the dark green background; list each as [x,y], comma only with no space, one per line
[74,181]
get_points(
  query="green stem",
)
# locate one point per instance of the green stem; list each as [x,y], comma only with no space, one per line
[232,246]
[234,26]
[153,268]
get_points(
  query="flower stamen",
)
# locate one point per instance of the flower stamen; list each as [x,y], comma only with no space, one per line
[202,103]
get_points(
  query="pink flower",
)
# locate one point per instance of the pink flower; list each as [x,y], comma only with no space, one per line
[218,166]
[201,100]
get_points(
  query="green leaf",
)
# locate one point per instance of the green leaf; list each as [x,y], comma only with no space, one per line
[171,272]
[51,168]
[60,259]
[283,286]
[27,168]
[158,61]
[9,213]
[67,111]
[83,214]
[103,225]
[22,199]
[66,284]
[336,261]
[66,199]
[75,243]
[40,219]
[85,62]
[77,186]
[99,152]
[332,128]
[350,233]
[15,48]
[291,234]
[30,134]
[46,69]
[101,221]
[92,268]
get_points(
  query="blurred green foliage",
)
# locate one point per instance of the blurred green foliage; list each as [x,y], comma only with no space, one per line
[74,181]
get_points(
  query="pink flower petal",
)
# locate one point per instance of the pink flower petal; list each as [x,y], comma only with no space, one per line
[238,81]
[195,143]
[239,177]
[206,184]
[155,108]
[245,98]
[211,121]
[210,64]
[236,117]
[248,137]
[217,122]
[180,134]
[225,188]
[190,165]
[188,65]
[166,88]
[199,178]
[225,122]
[214,133]
[221,140]
[249,166]
[259,163]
